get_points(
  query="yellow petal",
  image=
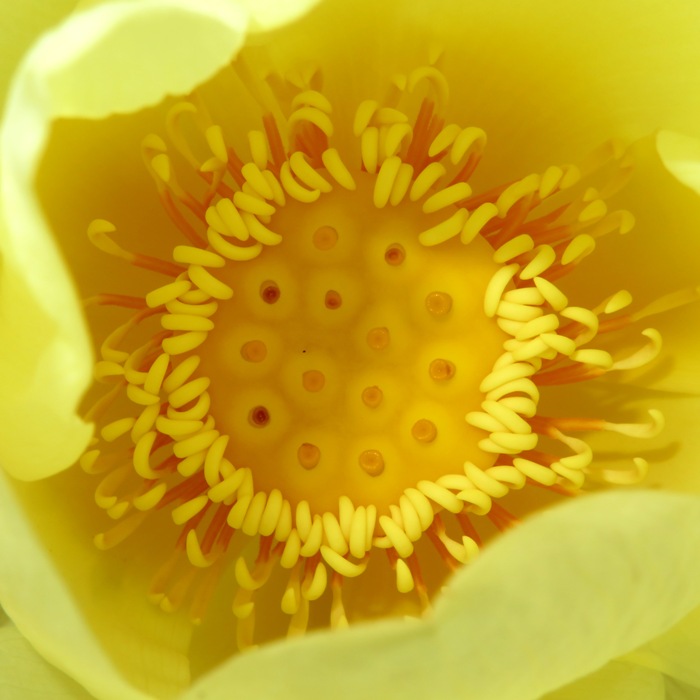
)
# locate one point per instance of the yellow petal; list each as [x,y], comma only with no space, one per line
[23,22]
[268,14]
[26,676]
[35,596]
[618,680]
[546,604]
[681,155]
[675,653]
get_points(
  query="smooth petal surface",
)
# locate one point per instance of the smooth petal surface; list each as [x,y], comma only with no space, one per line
[618,680]
[681,155]
[35,596]
[546,604]
[26,676]
[676,653]
[23,22]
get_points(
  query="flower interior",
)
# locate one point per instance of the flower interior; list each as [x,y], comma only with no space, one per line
[339,368]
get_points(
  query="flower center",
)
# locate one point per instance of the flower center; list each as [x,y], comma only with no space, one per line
[348,355]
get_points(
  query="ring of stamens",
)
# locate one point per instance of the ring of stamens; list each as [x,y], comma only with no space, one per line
[537,229]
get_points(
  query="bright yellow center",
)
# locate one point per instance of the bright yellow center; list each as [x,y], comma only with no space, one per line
[347,358]
[331,359]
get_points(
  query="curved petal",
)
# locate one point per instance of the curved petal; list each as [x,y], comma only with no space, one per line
[86,67]
[681,155]
[546,604]
[26,676]
[675,653]
[618,680]
[35,596]
[23,22]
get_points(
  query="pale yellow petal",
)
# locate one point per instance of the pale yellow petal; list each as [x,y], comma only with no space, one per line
[36,597]
[548,603]
[24,675]
[675,653]
[681,155]
[268,14]
[23,22]
[618,680]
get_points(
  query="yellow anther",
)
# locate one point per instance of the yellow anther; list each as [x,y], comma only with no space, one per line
[259,232]
[594,357]
[251,204]
[335,166]
[343,566]
[396,135]
[594,211]
[117,428]
[402,184]
[434,77]
[477,220]
[283,529]
[427,178]
[195,443]
[358,533]
[445,230]
[333,534]
[552,294]
[188,510]
[187,392]
[226,488]
[307,174]
[363,116]
[440,495]
[517,191]
[215,139]
[514,247]
[496,286]
[313,541]
[203,279]
[151,498]
[258,149]
[468,138]
[251,522]
[313,587]
[447,197]
[314,116]
[312,98]
[294,189]
[369,149]
[161,166]
[291,551]
[444,139]
[167,293]
[385,181]
[404,577]
[550,180]
[535,471]
[398,538]
[581,246]
[231,251]
[543,324]
[255,178]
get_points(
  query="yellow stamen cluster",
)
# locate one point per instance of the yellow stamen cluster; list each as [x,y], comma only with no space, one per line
[350,353]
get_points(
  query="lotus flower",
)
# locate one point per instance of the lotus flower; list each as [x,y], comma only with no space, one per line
[366,289]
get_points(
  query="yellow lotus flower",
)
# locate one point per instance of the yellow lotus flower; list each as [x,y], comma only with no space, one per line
[360,167]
